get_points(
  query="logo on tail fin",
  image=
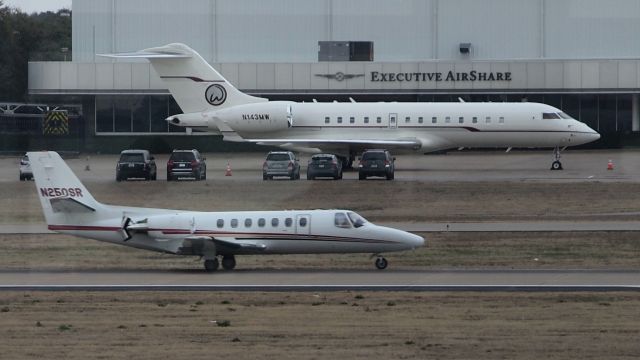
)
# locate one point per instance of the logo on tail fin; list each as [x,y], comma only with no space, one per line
[216,94]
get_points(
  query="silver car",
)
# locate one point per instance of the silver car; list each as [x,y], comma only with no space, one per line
[25,169]
[281,163]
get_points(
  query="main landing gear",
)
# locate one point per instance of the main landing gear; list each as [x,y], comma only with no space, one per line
[228,263]
[556,164]
[381,263]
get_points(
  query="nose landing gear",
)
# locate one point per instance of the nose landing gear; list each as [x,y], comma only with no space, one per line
[381,263]
[556,164]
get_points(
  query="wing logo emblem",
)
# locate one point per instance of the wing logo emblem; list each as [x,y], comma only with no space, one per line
[340,76]
[216,94]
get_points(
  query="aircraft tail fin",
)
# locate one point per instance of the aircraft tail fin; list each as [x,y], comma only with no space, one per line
[195,84]
[62,196]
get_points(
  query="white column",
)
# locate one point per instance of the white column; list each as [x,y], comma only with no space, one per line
[635,112]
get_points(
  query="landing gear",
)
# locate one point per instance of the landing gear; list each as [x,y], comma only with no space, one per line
[381,263]
[211,265]
[228,262]
[556,164]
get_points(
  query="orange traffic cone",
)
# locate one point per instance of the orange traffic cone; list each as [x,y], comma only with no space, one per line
[610,165]
[228,172]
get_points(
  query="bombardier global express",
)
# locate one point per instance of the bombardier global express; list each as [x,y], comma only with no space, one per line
[210,103]
[70,209]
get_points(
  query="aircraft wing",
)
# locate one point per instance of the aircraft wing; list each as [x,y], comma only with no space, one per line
[426,143]
[228,242]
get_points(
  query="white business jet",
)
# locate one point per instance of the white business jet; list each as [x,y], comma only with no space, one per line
[210,103]
[70,209]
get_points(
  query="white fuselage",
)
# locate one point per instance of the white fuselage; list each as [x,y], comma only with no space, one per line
[265,232]
[411,126]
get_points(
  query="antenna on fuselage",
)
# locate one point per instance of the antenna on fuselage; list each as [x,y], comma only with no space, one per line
[351,99]
[460,99]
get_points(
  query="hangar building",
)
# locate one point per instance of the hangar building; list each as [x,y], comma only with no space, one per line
[582,56]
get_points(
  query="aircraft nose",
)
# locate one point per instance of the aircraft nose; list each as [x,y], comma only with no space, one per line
[414,240]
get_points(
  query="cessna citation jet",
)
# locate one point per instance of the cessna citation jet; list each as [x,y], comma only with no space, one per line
[210,103]
[70,209]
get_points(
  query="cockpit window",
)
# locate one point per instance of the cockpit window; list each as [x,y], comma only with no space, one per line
[356,219]
[342,221]
[564,116]
[549,116]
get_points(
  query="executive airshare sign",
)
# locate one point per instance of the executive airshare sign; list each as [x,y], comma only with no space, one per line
[450,76]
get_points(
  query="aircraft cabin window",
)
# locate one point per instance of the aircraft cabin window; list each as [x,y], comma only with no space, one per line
[550,116]
[356,219]
[274,222]
[352,120]
[339,119]
[379,120]
[461,120]
[501,120]
[220,223]
[420,119]
[261,222]
[327,119]
[366,119]
[341,220]
[434,120]
[474,120]
[407,119]
[303,222]
[247,222]
[447,119]
[488,120]
[234,223]
[288,222]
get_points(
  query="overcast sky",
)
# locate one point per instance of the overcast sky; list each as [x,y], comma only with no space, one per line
[30,6]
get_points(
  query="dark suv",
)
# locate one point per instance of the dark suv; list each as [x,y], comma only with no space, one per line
[324,165]
[186,163]
[376,162]
[136,164]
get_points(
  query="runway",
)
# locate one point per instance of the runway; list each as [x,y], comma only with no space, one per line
[251,280]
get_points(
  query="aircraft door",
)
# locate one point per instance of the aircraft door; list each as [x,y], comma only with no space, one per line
[393,121]
[303,224]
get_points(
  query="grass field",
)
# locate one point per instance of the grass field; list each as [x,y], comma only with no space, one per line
[336,325]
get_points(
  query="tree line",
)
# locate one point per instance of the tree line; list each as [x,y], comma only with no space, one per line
[44,36]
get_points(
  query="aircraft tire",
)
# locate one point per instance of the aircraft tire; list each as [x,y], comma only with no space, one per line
[211,265]
[381,263]
[229,262]
[556,165]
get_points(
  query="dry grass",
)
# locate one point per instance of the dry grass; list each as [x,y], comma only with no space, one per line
[338,325]
[377,201]
[444,250]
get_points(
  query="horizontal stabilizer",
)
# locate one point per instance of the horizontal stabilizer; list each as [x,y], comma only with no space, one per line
[69,205]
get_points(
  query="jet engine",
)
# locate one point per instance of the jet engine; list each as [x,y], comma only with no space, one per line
[254,118]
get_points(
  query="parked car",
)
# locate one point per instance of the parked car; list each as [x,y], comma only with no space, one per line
[186,164]
[324,165]
[136,164]
[25,169]
[376,162]
[281,163]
